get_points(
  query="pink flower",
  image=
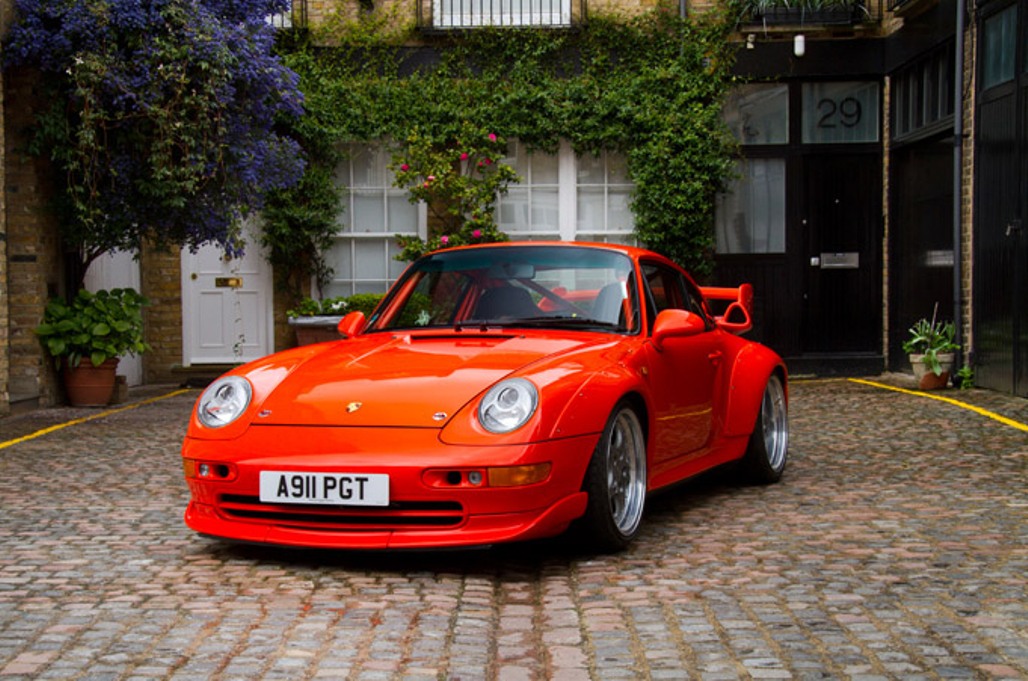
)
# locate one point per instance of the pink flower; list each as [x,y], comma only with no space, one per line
[477,234]
[405,167]
[431,178]
[492,137]
[464,156]
[444,240]
[488,161]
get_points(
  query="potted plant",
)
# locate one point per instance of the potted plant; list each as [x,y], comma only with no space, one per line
[98,328]
[790,12]
[316,321]
[930,350]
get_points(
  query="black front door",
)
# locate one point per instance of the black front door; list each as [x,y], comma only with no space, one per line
[921,239]
[1001,201]
[839,261]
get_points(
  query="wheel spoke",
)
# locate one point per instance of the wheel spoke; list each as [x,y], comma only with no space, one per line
[775,423]
[626,465]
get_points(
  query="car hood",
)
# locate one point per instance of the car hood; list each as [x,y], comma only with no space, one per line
[408,381]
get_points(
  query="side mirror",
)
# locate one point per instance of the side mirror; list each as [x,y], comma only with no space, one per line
[676,324]
[352,324]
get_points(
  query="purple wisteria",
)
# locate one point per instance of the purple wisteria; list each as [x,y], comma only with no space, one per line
[162,117]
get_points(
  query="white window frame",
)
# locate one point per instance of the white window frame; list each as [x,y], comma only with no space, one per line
[568,188]
[348,241]
[608,188]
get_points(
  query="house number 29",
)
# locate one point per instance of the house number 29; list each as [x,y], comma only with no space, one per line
[835,112]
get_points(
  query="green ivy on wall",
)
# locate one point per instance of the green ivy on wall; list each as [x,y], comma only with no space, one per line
[649,87]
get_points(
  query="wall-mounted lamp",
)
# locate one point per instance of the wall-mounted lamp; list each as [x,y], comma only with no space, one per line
[751,40]
[799,45]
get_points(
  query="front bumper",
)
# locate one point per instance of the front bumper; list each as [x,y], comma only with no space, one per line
[427,507]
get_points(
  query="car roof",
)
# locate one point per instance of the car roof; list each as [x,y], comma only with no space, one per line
[634,252]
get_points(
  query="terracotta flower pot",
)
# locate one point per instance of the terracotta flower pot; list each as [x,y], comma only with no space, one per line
[926,380]
[90,386]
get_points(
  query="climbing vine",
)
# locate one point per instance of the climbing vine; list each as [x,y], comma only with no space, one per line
[648,87]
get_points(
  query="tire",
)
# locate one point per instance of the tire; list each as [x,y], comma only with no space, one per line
[768,448]
[616,482]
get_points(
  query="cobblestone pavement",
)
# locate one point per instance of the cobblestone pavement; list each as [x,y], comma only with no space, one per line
[895,547]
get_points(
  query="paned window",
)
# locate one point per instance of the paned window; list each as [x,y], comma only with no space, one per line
[560,196]
[531,208]
[923,93]
[758,113]
[373,212]
[603,192]
[840,113]
[750,216]
[998,48]
[472,13]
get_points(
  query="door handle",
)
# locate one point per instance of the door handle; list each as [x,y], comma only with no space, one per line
[1014,228]
[714,357]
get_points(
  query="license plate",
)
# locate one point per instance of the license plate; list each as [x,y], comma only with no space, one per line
[340,489]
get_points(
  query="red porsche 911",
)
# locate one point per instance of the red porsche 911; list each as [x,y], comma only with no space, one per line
[499,392]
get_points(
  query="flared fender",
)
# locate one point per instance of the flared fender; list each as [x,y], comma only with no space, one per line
[589,408]
[753,366]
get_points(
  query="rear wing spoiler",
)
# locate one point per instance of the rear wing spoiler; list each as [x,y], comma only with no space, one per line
[738,316]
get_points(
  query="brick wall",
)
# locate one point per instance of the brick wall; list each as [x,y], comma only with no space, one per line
[161,282]
[33,259]
[967,192]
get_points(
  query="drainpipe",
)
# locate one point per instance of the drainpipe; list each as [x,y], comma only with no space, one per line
[958,174]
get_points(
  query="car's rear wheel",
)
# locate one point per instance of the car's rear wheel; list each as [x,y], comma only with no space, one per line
[768,449]
[616,482]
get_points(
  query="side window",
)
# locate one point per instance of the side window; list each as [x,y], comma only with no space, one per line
[696,301]
[667,289]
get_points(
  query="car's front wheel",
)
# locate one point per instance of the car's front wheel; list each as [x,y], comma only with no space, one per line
[616,482]
[769,444]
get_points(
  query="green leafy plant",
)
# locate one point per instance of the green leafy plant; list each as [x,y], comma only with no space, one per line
[299,227]
[364,302]
[931,338]
[647,88]
[966,377]
[312,307]
[338,306]
[99,326]
[758,8]
[459,179]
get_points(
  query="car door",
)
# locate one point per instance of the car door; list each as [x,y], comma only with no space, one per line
[683,374]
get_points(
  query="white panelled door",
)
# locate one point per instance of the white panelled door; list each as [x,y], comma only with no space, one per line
[226,305]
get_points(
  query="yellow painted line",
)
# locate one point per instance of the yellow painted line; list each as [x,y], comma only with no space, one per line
[92,417]
[948,400]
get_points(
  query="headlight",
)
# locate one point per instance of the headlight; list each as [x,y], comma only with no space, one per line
[508,405]
[223,401]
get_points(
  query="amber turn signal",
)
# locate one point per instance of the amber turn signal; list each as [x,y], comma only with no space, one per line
[516,476]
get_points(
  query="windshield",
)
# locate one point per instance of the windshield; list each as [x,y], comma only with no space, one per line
[525,286]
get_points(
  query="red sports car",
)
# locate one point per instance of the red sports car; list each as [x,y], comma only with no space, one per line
[499,392]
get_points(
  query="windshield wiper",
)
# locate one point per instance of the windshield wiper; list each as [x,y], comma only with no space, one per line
[562,321]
